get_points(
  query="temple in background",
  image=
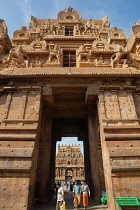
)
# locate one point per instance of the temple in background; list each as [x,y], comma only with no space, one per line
[69,164]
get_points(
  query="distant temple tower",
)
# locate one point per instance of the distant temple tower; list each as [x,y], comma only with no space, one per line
[69,164]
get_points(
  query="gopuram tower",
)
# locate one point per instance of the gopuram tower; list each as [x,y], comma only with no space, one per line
[69,77]
[69,165]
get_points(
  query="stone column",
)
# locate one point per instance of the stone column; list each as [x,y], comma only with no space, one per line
[94,155]
[44,161]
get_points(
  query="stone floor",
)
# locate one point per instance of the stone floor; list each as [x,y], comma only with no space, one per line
[69,204]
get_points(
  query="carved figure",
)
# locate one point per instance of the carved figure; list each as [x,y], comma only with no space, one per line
[84,54]
[33,22]
[36,63]
[105,22]
[17,59]
[101,61]
[88,26]
[3,29]
[116,58]
[77,30]
[54,54]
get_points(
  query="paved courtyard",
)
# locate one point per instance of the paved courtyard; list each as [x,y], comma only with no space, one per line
[69,204]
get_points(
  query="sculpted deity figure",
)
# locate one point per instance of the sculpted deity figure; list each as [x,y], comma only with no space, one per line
[101,61]
[105,22]
[77,30]
[3,28]
[57,172]
[33,22]
[88,26]
[84,52]
[54,54]
[116,58]
[17,59]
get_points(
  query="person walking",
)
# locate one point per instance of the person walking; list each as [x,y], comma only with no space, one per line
[85,192]
[77,194]
[60,196]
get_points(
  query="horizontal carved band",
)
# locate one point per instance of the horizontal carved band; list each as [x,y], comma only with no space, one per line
[15,137]
[122,137]
[121,152]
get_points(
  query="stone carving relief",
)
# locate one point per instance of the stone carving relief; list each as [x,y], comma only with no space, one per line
[22,33]
[136,29]
[101,61]
[84,53]
[3,29]
[16,58]
[118,58]
[54,54]
[69,15]
[105,22]
[33,22]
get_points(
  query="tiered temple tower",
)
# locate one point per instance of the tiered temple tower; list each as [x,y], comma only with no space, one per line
[68,77]
[69,164]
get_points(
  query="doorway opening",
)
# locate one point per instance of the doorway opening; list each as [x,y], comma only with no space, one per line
[69,117]
[69,164]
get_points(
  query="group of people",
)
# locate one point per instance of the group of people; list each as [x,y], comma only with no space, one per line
[80,192]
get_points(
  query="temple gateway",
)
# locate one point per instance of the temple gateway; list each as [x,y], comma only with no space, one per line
[69,77]
[69,165]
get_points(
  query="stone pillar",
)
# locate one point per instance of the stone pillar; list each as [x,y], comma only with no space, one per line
[44,161]
[96,168]
[93,132]
[20,109]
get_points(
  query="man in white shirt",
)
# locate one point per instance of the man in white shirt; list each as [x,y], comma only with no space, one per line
[60,196]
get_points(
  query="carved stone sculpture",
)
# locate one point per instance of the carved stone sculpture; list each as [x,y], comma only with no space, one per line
[3,29]
[117,58]
[54,55]
[84,54]
[17,58]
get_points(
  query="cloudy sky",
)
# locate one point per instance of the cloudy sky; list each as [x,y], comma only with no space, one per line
[121,13]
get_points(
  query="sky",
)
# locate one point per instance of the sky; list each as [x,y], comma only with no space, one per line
[122,13]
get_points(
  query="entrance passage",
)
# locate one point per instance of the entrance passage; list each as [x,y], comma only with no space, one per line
[69,116]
